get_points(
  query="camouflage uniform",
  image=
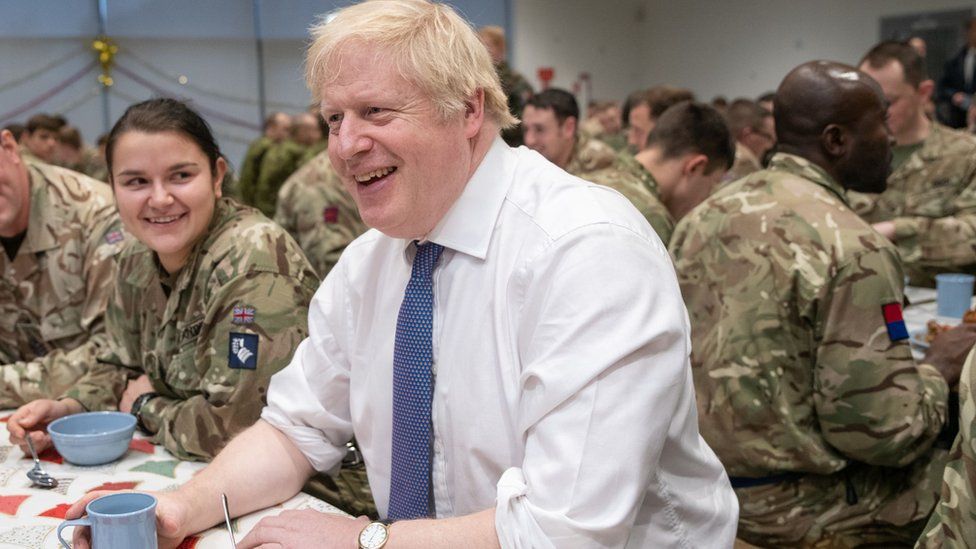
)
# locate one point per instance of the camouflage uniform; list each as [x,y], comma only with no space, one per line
[317,211]
[281,160]
[794,369]
[247,182]
[745,163]
[53,294]
[953,524]
[517,90]
[595,161]
[91,165]
[931,198]
[246,277]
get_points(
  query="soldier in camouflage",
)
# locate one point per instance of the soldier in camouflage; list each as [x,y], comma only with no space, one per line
[929,208]
[210,301]
[60,235]
[687,154]
[284,158]
[318,212]
[516,88]
[805,381]
[953,523]
[277,128]
[755,134]
[550,119]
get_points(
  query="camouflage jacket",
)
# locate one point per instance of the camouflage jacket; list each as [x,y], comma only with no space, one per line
[247,181]
[517,91]
[210,343]
[91,165]
[745,163]
[931,198]
[318,212]
[953,523]
[281,160]
[595,161]
[793,364]
[54,292]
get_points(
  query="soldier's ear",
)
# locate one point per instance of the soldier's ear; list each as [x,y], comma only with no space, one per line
[220,170]
[834,140]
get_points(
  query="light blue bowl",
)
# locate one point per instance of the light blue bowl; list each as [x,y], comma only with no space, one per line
[92,438]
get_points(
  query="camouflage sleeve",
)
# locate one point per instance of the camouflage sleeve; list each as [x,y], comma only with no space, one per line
[117,360]
[941,242]
[49,376]
[284,210]
[953,521]
[232,392]
[873,402]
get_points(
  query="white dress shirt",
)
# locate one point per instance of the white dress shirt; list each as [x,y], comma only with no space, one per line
[563,394]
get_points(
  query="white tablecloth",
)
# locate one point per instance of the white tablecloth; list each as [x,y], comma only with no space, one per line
[30,516]
[922,308]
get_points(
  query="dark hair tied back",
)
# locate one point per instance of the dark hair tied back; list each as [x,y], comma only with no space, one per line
[164,115]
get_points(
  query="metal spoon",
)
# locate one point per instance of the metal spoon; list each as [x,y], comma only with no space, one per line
[38,475]
[230,531]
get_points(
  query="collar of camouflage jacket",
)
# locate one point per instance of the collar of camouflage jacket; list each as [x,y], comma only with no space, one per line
[939,141]
[802,167]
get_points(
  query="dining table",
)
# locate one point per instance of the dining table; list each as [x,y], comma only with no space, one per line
[29,516]
[922,307]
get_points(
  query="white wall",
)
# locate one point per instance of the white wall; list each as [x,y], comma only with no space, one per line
[733,48]
[746,47]
[574,36]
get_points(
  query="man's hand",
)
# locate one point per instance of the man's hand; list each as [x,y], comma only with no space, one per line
[306,529]
[886,229]
[949,349]
[34,416]
[133,390]
[169,520]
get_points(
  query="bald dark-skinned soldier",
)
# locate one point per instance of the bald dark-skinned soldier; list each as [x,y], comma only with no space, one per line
[805,382]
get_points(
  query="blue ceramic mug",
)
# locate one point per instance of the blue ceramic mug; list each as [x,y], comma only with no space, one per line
[118,521]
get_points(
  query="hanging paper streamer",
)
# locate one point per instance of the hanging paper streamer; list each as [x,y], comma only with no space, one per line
[106,50]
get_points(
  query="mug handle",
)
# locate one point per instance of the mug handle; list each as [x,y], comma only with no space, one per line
[83,521]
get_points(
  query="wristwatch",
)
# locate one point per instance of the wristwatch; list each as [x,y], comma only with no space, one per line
[137,405]
[374,535]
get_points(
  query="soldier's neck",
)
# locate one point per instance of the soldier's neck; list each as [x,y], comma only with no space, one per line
[916,133]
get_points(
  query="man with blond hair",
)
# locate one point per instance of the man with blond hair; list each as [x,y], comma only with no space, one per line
[509,397]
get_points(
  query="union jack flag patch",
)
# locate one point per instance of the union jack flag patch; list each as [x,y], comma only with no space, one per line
[114,237]
[242,315]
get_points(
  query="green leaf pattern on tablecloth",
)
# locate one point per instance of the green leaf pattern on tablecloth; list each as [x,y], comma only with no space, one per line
[163,468]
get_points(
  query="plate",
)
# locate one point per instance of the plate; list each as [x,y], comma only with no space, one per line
[917,338]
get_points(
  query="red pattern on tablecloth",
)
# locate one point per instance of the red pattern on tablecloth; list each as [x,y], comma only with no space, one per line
[115,486]
[56,512]
[141,445]
[5,418]
[10,504]
[50,455]
[189,543]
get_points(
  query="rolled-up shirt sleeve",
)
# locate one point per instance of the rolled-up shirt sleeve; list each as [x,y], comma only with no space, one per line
[607,406]
[308,400]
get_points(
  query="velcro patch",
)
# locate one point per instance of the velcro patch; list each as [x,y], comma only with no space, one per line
[895,322]
[330,214]
[242,314]
[114,237]
[242,352]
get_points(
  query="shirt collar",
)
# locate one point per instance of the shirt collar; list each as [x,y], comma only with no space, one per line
[468,225]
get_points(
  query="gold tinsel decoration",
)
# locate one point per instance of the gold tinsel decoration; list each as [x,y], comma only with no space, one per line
[106,50]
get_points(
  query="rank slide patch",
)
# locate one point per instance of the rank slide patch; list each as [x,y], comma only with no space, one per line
[242,352]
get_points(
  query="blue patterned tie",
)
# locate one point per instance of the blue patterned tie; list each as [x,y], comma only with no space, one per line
[413,389]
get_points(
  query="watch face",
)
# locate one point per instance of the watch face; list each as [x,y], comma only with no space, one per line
[373,535]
